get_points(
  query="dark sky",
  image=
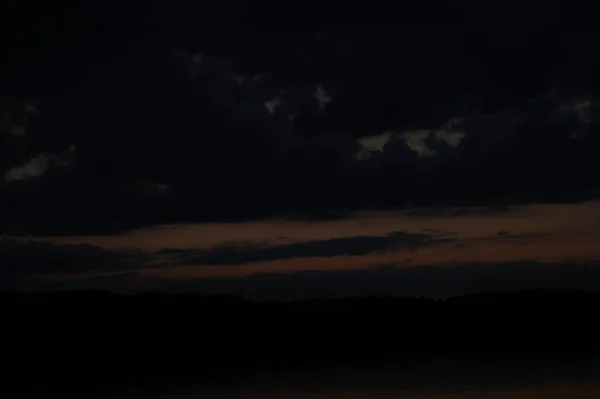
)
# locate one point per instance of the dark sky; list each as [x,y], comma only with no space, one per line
[154,145]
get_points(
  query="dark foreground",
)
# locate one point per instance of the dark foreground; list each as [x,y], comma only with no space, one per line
[84,341]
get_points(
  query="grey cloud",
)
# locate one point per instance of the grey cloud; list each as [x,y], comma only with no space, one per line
[331,214]
[434,212]
[519,238]
[191,123]
[432,230]
[505,237]
[359,245]
[35,167]
[434,280]
[20,260]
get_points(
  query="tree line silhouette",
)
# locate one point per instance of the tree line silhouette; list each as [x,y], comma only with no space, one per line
[101,338]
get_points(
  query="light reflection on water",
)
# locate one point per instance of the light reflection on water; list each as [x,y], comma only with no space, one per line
[448,381]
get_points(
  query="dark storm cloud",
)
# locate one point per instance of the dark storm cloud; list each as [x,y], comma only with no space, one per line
[23,260]
[427,212]
[504,237]
[20,260]
[428,280]
[361,245]
[321,215]
[176,120]
[437,280]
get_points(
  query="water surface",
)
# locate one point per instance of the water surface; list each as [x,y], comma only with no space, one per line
[442,380]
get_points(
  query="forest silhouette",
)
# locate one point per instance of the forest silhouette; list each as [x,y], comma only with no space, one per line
[102,338]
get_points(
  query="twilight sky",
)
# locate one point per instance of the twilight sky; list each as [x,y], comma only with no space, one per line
[436,150]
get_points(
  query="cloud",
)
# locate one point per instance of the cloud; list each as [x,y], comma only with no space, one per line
[403,280]
[504,237]
[23,260]
[371,144]
[322,97]
[17,130]
[26,260]
[422,141]
[30,265]
[326,214]
[436,212]
[348,246]
[17,117]
[411,281]
[35,167]
[248,124]
[272,105]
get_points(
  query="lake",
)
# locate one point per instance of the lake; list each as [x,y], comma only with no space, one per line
[435,380]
